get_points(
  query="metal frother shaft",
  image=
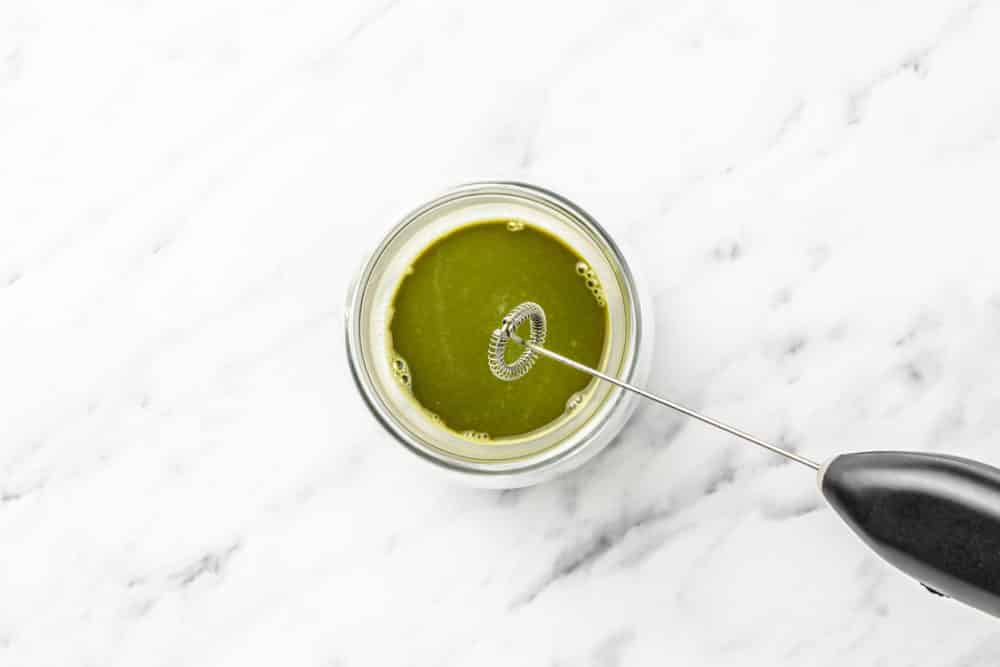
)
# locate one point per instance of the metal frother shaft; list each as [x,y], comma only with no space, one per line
[670,404]
[535,316]
[933,516]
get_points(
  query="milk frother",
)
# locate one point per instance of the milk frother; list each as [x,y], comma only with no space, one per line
[936,517]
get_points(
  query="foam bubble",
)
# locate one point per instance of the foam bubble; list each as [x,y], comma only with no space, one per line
[514,225]
[479,436]
[401,371]
[593,283]
[574,401]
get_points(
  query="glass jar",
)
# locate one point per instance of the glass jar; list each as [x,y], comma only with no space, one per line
[528,458]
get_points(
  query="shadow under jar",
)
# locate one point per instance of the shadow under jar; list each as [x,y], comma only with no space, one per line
[389,383]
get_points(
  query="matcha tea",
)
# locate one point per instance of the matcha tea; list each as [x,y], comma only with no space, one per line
[446,307]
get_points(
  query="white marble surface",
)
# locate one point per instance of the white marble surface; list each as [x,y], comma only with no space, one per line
[187,476]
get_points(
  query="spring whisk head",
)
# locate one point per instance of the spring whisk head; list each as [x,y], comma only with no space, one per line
[535,316]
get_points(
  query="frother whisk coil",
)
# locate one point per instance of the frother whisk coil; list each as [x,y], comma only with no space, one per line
[535,316]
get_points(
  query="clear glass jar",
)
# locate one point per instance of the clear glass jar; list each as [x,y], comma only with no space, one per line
[528,458]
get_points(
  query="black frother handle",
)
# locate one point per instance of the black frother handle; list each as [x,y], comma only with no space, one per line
[935,517]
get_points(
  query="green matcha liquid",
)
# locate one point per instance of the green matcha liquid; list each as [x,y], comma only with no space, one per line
[458,290]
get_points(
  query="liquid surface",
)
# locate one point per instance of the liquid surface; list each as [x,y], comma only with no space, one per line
[458,290]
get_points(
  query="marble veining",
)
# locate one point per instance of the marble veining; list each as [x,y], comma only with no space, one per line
[187,475]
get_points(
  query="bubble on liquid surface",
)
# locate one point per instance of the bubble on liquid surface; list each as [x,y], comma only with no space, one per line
[592,282]
[401,371]
[514,225]
[478,436]
[574,401]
